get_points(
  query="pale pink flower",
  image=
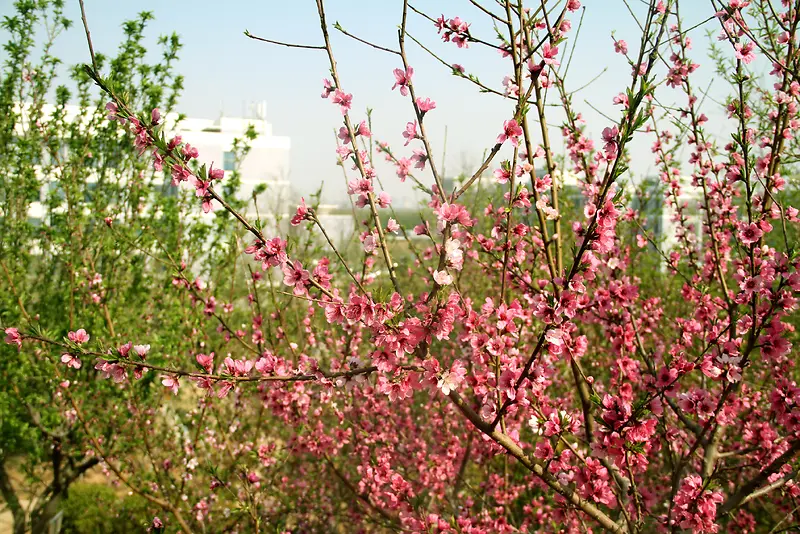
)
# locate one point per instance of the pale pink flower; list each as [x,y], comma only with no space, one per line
[171,383]
[345,100]
[442,278]
[71,361]
[384,200]
[410,132]
[425,104]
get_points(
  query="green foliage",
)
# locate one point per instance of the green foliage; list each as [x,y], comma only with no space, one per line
[89,509]
[99,509]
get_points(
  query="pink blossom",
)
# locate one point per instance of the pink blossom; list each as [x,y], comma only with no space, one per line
[79,336]
[113,111]
[450,380]
[419,158]
[171,382]
[344,100]
[403,168]
[206,361]
[363,129]
[384,200]
[13,337]
[410,132]
[295,276]
[71,360]
[189,152]
[402,79]
[745,52]
[327,88]
[455,213]
[512,131]
[750,233]
[442,278]
[620,47]
[301,214]
[111,370]
[215,174]
[549,54]
[425,104]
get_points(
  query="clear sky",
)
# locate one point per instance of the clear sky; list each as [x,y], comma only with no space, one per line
[225,72]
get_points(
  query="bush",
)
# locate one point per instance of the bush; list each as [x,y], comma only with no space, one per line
[90,509]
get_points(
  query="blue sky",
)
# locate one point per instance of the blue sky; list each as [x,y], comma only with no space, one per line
[225,71]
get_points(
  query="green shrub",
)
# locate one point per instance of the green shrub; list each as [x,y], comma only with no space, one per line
[89,509]
[98,509]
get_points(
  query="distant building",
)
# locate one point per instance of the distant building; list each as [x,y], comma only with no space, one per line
[267,162]
[663,223]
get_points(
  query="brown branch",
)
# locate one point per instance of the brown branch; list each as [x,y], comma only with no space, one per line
[744,493]
[281,43]
[535,467]
[88,35]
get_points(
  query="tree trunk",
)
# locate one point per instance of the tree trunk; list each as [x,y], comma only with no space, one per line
[10,496]
[45,514]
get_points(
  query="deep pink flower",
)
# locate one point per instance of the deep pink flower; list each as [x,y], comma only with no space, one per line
[206,361]
[512,131]
[750,233]
[745,52]
[327,88]
[301,214]
[80,336]
[215,174]
[189,152]
[294,275]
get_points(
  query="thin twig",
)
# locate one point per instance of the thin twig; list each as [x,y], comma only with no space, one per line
[88,35]
[281,43]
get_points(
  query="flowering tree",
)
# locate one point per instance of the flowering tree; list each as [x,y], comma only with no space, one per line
[523,370]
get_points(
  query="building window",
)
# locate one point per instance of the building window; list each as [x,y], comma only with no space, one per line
[228,161]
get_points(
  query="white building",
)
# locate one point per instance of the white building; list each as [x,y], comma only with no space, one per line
[266,163]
